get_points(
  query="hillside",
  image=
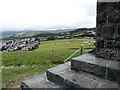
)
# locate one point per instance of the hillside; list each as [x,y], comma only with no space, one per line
[17,65]
[46,33]
[82,30]
[8,33]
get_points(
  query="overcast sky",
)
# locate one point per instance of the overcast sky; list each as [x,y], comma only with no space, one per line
[42,14]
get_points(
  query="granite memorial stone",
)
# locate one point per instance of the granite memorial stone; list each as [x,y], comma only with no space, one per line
[108,29]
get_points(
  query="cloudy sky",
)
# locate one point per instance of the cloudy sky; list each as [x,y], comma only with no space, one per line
[42,14]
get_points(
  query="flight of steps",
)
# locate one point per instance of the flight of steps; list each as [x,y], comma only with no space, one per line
[85,71]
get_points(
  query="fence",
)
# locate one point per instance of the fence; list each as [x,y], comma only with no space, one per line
[81,49]
[54,56]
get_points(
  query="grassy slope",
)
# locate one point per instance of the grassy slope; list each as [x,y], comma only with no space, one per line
[37,61]
[28,34]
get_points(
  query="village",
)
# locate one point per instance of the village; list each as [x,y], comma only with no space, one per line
[21,44]
[31,43]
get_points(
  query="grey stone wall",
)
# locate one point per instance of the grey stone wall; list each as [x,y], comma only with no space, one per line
[108,30]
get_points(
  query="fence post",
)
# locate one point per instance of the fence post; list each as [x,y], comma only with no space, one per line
[81,50]
[17,58]
[52,55]
[89,44]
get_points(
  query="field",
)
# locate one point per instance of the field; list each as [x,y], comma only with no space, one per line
[20,64]
[28,34]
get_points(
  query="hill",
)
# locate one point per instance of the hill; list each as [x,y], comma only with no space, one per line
[43,33]
[83,32]
[19,64]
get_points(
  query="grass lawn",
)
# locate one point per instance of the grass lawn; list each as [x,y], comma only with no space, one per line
[17,65]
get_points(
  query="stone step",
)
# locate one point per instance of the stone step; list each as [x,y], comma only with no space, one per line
[106,68]
[53,73]
[63,76]
[37,81]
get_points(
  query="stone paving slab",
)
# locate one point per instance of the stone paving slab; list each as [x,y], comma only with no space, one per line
[60,68]
[90,58]
[78,81]
[37,81]
[45,84]
[30,81]
[99,66]
[85,80]
[68,78]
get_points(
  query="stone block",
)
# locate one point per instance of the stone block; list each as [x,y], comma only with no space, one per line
[100,43]
[113,75]
[99,66]
[80,82]
[53,74]
[88,81]
[31,81]
[60,80]
[113,17]
[88,67]
[101,6]
[113,72]
[102,20]
[88,62]
[117,45]
[118,29]
[118,56]
[108,18]
[109,43]
[37,82]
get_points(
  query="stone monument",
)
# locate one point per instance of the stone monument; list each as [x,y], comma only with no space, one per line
[108,29]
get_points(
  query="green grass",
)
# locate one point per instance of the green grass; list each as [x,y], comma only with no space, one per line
[39,60]
[13,77]
[29,34]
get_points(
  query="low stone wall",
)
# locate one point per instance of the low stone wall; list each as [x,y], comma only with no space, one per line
[108,30]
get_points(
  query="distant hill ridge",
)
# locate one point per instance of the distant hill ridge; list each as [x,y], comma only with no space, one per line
[82,30]
[32,33]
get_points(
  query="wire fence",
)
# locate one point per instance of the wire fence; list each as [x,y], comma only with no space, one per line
[54,56]
[82,49]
